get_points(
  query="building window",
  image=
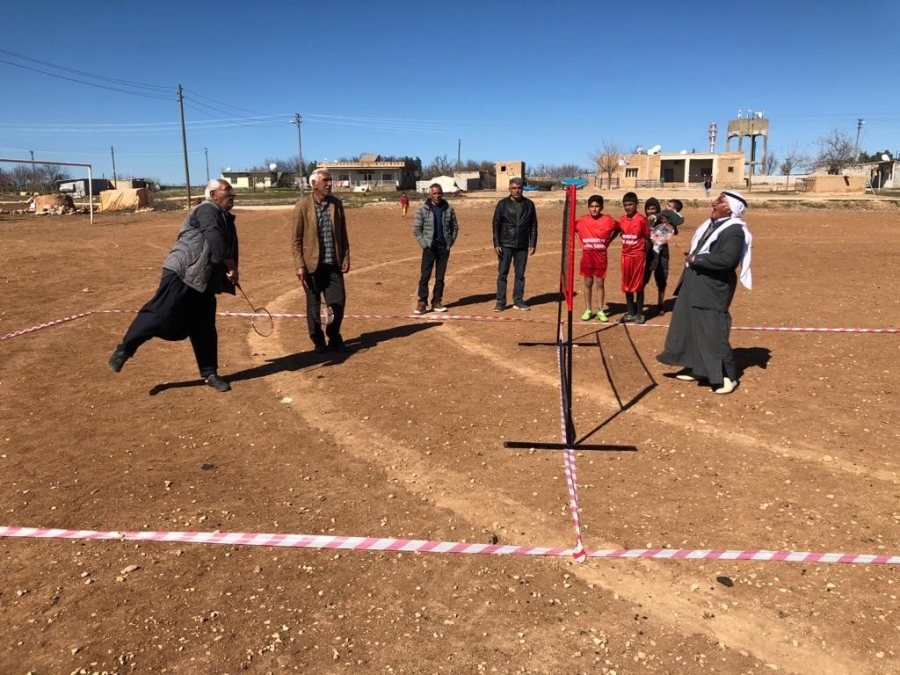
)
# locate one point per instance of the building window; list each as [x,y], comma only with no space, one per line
[344,177]
[631,173]
[730,169]
[387,176]
[503,168]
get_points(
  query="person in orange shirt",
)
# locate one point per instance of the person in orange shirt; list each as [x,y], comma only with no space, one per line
[595,231]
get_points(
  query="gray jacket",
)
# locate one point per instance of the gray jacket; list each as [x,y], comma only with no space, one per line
[423,225]
[207,237]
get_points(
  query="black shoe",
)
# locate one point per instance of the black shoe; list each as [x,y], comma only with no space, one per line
[522,306]
[218,383]
[499,307]
[340,347]
[639,318]
[117,360]
[320,349]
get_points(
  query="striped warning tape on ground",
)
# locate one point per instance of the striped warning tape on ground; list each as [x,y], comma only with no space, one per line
[456,317]
[313,541]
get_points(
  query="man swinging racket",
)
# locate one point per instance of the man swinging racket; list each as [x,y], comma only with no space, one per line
[202,264]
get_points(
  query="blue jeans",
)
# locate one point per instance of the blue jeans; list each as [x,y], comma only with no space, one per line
[519,258]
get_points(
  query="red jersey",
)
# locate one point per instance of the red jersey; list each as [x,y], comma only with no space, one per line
[635,232]
[595,234]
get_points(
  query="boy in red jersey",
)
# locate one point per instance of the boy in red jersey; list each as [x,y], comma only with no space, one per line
[635,237]
[595,231]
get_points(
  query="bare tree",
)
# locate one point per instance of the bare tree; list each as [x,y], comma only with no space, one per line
[440,166]
[607,159]
[794,159]
[836,152]
[770,164]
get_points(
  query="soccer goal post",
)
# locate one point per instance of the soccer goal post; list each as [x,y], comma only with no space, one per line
[34,163]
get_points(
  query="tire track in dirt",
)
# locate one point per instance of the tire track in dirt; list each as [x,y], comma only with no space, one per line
[644,583]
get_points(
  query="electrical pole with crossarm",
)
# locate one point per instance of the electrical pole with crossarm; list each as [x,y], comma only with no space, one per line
[298,120]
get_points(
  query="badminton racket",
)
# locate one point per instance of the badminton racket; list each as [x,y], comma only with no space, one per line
[326,314]
[260,320]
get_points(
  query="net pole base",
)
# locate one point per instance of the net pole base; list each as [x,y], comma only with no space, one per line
[574,446]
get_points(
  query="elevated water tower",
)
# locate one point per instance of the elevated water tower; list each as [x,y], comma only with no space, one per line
[750,125]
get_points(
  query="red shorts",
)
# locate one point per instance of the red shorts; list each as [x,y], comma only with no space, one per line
[593,263]
[633,273]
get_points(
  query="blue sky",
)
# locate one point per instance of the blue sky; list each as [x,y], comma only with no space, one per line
[539,81]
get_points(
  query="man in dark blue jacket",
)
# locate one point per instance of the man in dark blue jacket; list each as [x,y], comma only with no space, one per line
[515,238]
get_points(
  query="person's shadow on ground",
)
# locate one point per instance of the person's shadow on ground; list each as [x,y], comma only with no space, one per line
[751,357]
[472,300]
[307,359]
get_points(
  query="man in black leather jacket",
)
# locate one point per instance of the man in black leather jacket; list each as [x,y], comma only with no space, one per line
[515,238]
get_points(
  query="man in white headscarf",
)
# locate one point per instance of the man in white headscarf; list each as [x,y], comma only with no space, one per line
[697,338]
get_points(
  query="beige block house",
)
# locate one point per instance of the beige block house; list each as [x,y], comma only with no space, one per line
[507,170]
[680,170]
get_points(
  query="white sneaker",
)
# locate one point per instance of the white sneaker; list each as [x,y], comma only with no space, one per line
[686,376]
[727,387]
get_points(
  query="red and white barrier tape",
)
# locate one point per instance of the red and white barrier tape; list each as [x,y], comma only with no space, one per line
[425,546]
[452,317]
[568,453]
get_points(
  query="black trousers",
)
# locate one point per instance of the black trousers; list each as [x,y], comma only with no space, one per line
[327,281]
[433,259]
[176,312]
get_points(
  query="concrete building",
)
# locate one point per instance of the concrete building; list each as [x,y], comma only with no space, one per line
[682,170]
[370,173]
[260,180]
[506,170]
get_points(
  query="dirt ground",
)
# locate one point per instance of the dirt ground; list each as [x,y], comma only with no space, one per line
[404,438]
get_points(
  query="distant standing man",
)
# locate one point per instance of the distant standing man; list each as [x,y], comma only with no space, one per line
[698,334]
[435,229]
[515,238]
[322,257]
[202,264]
[404,204]
[707,185]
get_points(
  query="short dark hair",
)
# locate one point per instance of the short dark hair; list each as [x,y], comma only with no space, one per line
[595,199]
[515,180]
[677,204]
[629,197]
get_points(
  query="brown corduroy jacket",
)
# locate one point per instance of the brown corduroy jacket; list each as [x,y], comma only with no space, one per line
[305,233]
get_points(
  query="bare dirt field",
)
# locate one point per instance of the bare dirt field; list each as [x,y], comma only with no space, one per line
[404,438]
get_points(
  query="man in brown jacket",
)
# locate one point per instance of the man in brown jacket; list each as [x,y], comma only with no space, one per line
[322,257]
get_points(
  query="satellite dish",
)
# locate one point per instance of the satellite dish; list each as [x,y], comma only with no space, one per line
[639,151]
[683,152]
[655,149]
[622,161]
[228,168]
[273,166]
[885,157]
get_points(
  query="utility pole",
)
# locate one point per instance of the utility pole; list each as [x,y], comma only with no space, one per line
[859,126]
[298,120]
[187,173]
[458,154]
[206,152]
[112,151]
[32,170]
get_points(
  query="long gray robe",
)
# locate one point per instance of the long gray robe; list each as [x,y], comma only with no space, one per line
[698,332]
